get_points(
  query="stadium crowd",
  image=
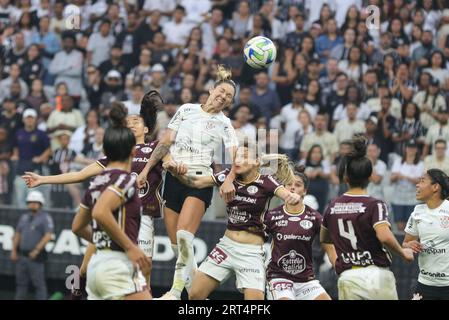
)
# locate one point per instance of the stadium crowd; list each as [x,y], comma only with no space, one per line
[64,63]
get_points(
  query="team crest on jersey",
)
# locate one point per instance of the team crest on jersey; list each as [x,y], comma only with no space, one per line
[306,224]
[221,177]
[252,189]
[146,150]
[210,125]
[444,222]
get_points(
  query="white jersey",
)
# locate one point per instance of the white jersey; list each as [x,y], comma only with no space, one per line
[431,226]
[199,136]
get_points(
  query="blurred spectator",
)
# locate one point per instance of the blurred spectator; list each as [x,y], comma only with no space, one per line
[147,29]
[318,172]
[32,68]
[114,62]
[293,39]
[337,95]
[158,82]
[420,55]
[36,97]
[347,127]
[405,174]
[133,104]
[265,97]
[375,103]
[328,41]
[322,137]
[338,187]
[67,65]
[290,124]
[85,134]
[385,128]
[141,72]
[241,18]
[67,118]
[160,51]
[375,187]
[211,28]
[57,21]
[34,230]
[354,66]
[429,102]
[64,196]
[94,87]
[408,127]
[45,110]
[438,69]
[10,118]
[341,51]
[5,84]
[354,96]
[128,40]
[47,41]
[439,130]
[177,30]
[241,123]
[5,167]
[100,44]
[438,159]
[93,151]
[113,91]
[31,150]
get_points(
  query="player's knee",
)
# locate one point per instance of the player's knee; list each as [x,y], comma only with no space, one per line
[195,294]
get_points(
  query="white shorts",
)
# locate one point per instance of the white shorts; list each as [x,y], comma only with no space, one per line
[368,283]
[146,235]
[112,276]
[283,288]
[229,257]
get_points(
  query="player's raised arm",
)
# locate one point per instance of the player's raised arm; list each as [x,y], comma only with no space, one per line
[33,180]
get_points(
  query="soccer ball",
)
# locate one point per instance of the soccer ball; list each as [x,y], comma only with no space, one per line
[259,52]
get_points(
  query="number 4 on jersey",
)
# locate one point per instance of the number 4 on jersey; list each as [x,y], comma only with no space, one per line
[350,234]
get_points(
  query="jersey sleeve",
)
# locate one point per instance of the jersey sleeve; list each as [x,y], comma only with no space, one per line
[271,185]
[220,177]
[229,136]
[379,213]
[411,227]
[124,186]
[103,162]
[87,202]
[175,122]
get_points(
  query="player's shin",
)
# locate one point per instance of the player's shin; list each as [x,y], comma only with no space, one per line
[184,263]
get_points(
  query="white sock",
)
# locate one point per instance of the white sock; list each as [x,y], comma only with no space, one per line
[184,263]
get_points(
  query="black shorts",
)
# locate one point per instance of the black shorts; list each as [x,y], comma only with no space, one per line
[175,192]
[424,292]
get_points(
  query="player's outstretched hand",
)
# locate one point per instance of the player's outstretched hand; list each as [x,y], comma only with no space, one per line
[293,198]
[141,179]
[407,254]
[137,257]
[32,180]
[227,191]
[414,245]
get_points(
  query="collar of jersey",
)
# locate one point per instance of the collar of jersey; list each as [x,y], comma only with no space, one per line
[284,207]
[247,183]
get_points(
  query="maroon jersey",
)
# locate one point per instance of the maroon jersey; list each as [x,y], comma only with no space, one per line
[150,192]
[291,246]
[250,201]
[127,214]
[350,220]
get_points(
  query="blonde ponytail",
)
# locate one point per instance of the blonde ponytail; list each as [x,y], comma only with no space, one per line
[224,76]
[284,171]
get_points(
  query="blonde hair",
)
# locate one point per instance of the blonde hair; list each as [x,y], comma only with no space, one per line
[224,76]
[284,172]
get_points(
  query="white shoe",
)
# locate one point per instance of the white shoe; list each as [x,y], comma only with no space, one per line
[167,296]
